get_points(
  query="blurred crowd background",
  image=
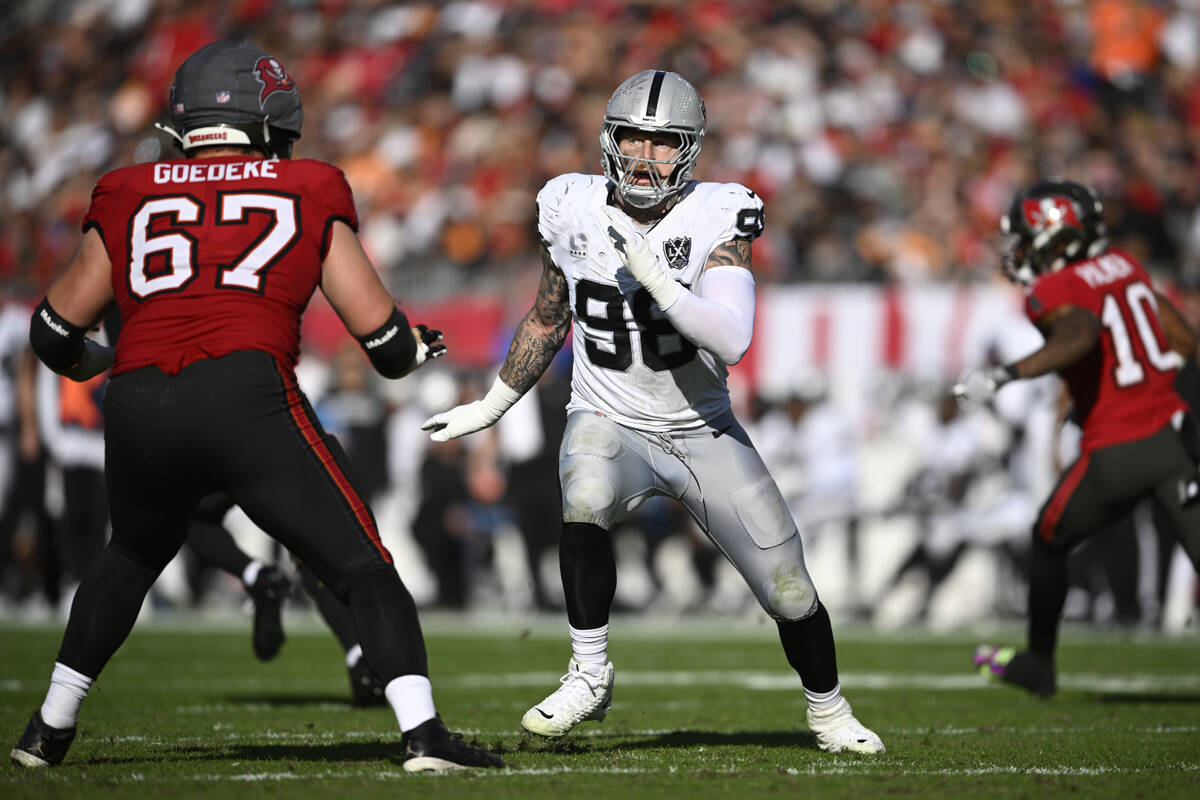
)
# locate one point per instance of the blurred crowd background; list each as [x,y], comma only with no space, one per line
[886,139]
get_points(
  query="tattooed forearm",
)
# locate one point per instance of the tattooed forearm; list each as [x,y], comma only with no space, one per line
[735,252]
[542,331]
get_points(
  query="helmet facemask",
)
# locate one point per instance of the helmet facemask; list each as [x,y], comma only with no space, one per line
[653,101]
[621,169]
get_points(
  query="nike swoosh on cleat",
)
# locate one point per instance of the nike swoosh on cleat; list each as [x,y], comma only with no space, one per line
[544,714]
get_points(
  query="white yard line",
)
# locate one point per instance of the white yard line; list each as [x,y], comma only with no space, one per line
[593,733]
[830,769]
[788,681]
[1134,683]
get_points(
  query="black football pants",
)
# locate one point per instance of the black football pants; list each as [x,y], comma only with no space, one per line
[1105,484]
[240,425]
[1102,486]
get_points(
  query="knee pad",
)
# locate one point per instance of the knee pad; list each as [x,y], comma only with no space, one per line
[789,593]
[590,449]
[590,498]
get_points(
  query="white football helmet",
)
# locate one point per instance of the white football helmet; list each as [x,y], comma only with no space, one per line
[653,100]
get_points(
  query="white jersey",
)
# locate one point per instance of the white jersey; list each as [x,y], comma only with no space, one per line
[630,362]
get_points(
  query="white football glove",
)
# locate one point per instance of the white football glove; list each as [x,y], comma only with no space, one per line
[471,417]
[633,249]
[429,346]
[976,386]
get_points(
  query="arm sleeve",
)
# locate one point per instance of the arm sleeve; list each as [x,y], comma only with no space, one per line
[57,342]
[391,348]
[720,317]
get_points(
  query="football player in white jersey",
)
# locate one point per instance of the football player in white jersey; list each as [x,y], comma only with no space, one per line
[653,271]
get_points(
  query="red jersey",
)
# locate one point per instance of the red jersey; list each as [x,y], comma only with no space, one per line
[1124,389]
[212,255]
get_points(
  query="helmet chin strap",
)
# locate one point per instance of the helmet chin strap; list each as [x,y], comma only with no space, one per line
[220,134]
[174,134]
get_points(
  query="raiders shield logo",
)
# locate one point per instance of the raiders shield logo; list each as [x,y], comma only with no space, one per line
[678,251]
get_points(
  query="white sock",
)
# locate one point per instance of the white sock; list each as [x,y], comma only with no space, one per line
[250,573]
[591,645]
[65,696]
[353,655]
[411,697]
[823,701]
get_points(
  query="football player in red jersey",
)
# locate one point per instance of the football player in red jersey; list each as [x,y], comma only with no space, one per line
[212,259]
[1117,343]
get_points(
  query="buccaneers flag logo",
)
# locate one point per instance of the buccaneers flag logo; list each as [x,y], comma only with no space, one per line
[1044,212]
[273,77]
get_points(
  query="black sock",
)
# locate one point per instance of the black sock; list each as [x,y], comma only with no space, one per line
[104,609]
[1047,594]
[385,617]
[808,645]
[589,574]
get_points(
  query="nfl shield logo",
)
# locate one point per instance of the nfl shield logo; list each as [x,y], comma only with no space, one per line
[223,97]
[678,251]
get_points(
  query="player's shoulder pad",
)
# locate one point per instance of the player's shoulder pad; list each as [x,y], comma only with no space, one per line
[735,206]
[314,169]
[564,188]
[1139,268]
[122,175]
[560,191]
[733,194]
[1052,289]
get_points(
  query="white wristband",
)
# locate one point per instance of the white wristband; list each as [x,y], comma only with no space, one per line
[662,287]
[499,398]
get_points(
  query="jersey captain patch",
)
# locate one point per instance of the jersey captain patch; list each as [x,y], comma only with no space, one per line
[579,245]
[678,251]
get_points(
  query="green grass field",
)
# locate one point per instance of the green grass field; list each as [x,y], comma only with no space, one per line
[701,710]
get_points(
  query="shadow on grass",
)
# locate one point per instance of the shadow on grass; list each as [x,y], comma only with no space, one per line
[246,754]
[1136,698]
[390,752]
[290,700]
[617,741]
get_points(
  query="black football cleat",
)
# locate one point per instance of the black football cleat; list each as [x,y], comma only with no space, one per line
[429,747]
[270,589]
[41,745]
[1022,668]
[365,687]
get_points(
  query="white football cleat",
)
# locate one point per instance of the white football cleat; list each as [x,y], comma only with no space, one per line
[838,731]
[586,693]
